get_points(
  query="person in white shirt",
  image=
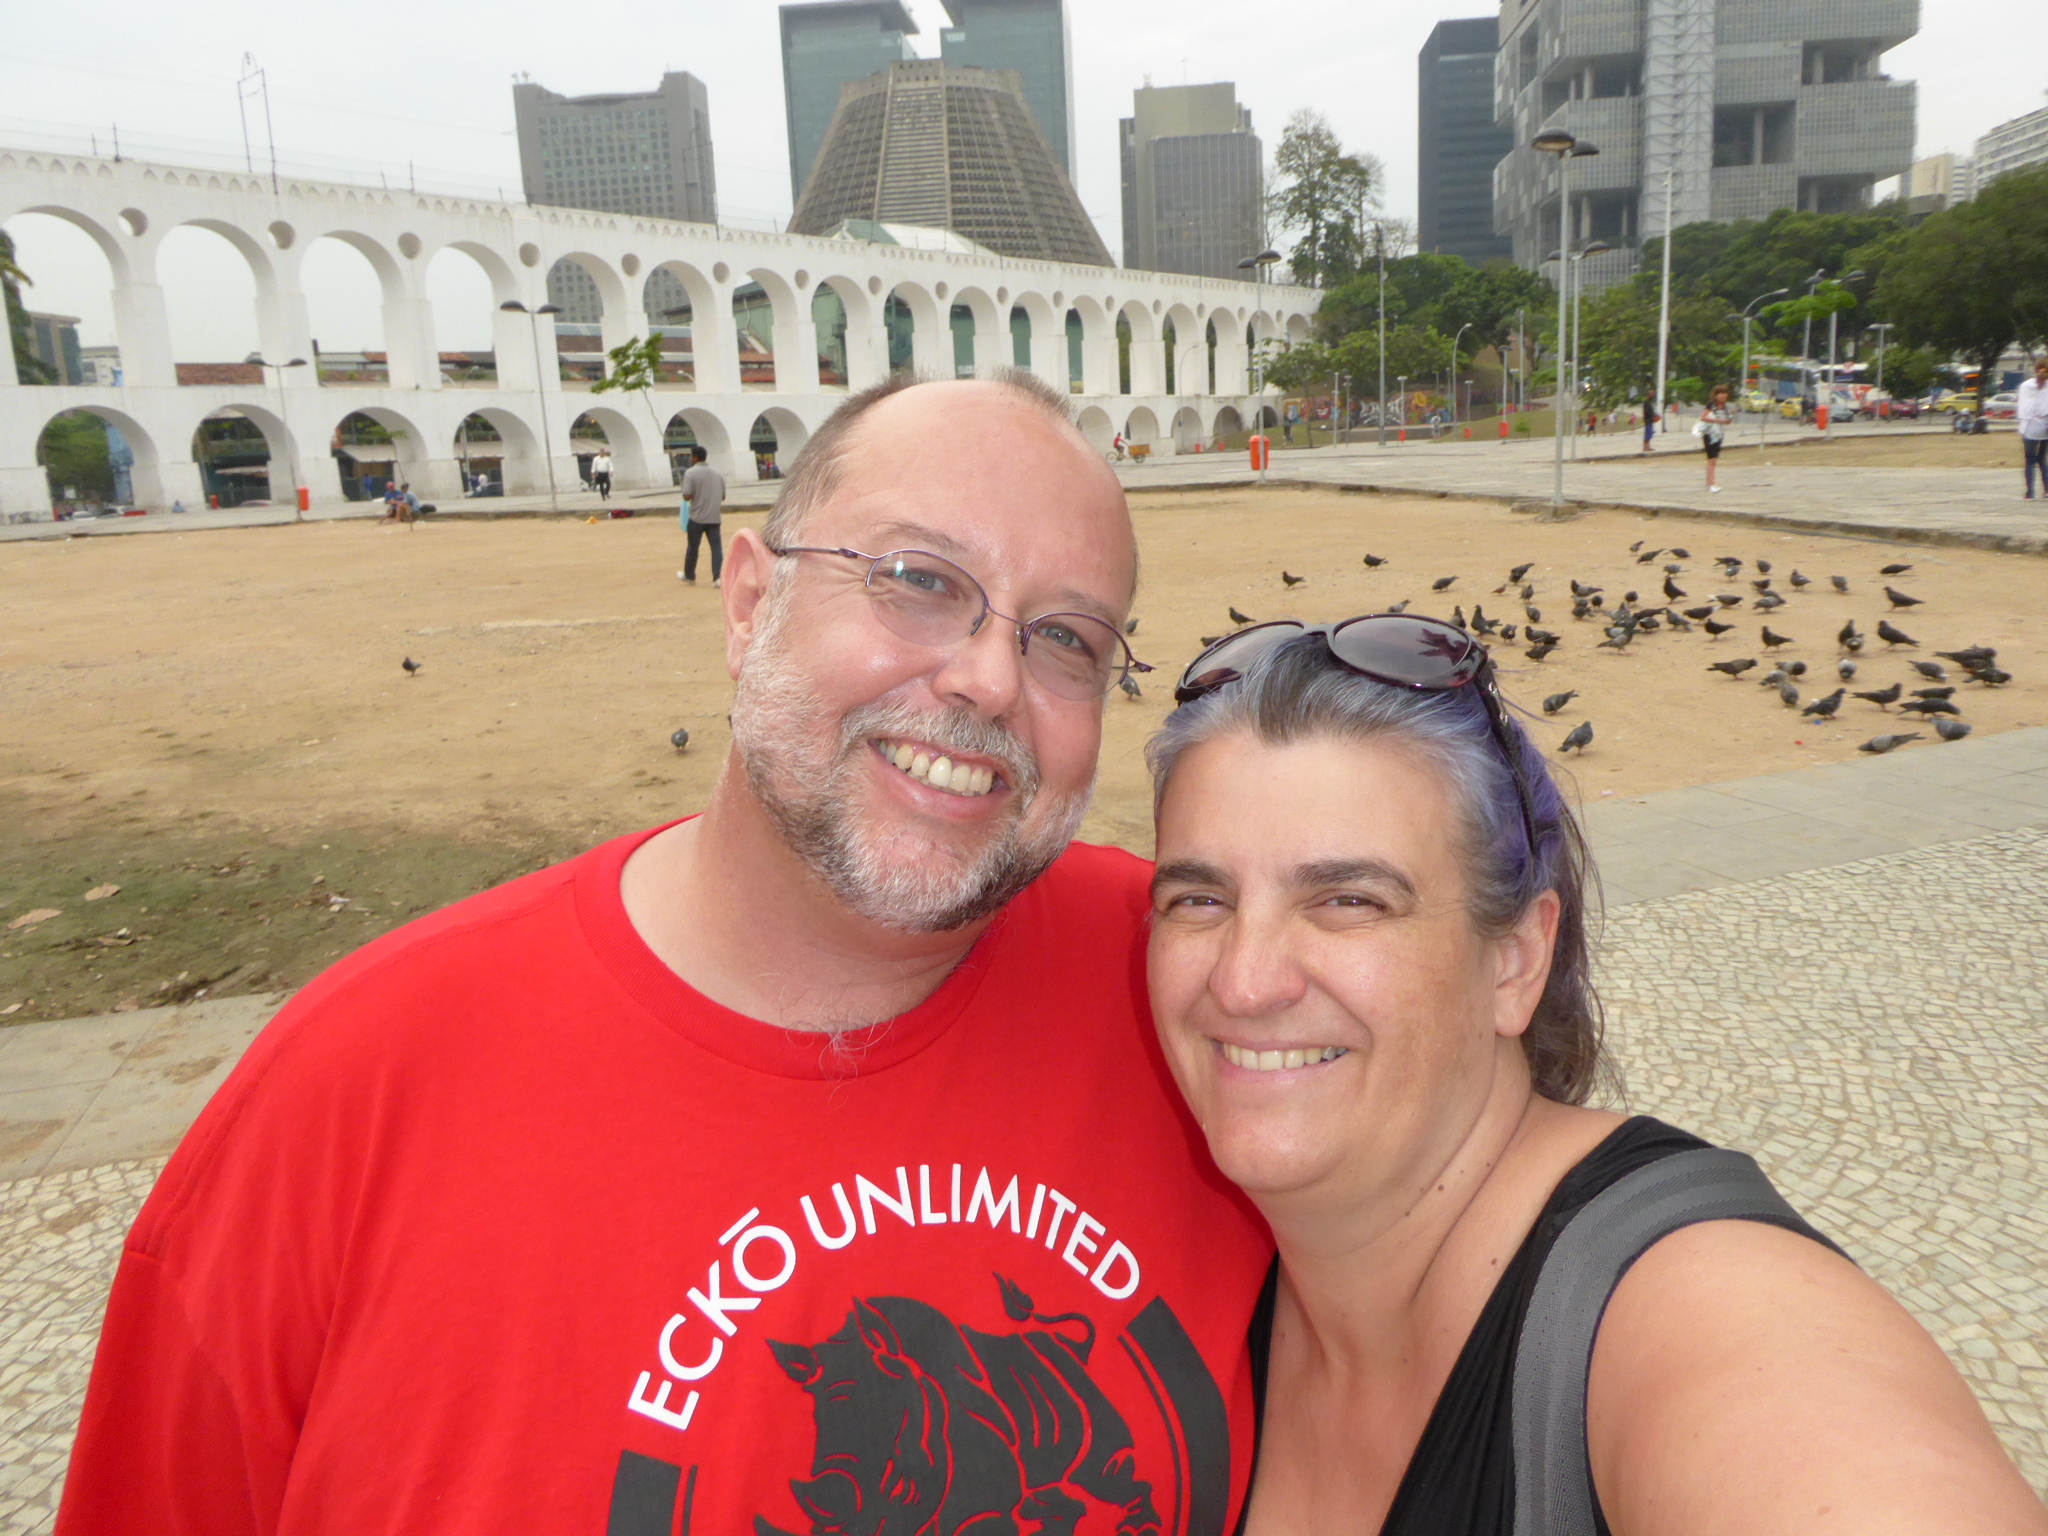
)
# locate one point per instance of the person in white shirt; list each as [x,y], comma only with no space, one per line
[601,472]
[2033,419]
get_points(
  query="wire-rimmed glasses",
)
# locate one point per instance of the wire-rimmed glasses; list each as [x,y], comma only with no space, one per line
[928,600]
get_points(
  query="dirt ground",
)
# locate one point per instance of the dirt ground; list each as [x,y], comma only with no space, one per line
[218,723]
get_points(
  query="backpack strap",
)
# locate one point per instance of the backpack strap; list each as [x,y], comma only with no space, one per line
[1553,1476]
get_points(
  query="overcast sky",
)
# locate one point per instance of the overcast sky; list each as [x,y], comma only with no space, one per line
[390,81]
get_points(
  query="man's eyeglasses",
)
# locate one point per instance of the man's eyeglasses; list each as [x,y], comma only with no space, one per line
[928,600]
[1407,652]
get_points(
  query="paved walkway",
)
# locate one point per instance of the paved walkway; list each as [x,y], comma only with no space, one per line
[1837,969]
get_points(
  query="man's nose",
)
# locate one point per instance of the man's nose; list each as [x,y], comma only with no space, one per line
[985,671]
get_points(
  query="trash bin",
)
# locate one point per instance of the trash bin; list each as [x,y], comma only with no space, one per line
[1262,450]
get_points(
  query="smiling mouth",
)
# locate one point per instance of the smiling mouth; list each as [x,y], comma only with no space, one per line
[970,781]
[1279,1061]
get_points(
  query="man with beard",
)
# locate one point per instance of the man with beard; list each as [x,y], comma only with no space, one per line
[808,1164]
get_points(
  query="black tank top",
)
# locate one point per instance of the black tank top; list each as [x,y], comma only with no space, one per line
[1461,1479]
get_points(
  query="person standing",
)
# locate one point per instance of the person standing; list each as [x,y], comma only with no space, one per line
[1650,420]
[1712,430]
[2033,424]
[601,471]
[703,502]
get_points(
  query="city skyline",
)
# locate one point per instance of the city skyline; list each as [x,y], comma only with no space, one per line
[167,87]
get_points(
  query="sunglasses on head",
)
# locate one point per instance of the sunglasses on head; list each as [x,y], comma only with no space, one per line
[1401,650]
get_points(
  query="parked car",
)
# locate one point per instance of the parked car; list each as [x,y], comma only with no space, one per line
[2002,407]
[1947,404]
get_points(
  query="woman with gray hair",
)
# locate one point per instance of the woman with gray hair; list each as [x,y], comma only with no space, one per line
[1495,1310]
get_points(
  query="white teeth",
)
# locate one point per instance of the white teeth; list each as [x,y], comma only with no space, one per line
[1278,1061]
[964,779]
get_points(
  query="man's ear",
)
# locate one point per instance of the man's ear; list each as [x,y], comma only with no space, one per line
[749,567]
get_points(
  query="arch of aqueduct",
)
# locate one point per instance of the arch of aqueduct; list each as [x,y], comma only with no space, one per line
[127,207]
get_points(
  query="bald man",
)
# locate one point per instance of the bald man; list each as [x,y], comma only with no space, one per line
[805,1165]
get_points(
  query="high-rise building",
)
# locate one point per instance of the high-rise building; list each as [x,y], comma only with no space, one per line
[1938,182]
[934,144]
[1193,181]
[825,48]
[1029,36]
[1458,142]
[647,152]
[2012,146]
[1746,106]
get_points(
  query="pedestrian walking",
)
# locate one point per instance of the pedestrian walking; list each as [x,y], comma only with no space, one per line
[1712,428]
[601,471]
[2033,423]
[1650,420]
[703,501]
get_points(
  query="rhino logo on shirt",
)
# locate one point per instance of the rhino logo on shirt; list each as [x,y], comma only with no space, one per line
[930,1428]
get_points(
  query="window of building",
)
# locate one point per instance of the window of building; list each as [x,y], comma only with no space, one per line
[1839,63]
[1756,135]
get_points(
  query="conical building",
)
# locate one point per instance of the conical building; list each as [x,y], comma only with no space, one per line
[950,148]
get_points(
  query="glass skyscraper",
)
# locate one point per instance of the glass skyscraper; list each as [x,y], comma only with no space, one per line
[1029,36]
[826,47]
[1458,142]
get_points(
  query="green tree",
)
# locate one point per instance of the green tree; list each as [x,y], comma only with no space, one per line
[1973,280]
[1324,197]
[28,368]
[636,369]
[1441,293]
[74,450]
[1620,348]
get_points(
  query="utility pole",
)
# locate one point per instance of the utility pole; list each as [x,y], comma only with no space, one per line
[1664,314]
[1380,241]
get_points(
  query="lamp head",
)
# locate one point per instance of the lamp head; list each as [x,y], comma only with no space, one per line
[1582,149]
[549,309]
[1554,141]
[1595,248]
[513,305]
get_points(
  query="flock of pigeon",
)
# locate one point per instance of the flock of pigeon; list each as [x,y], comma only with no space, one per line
[1934,702]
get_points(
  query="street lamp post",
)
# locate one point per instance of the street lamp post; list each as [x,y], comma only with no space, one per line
[1747,317]
[1180,371]
[1834,320]
[1555,141]
[1262,264]
[1590,248]
[540,390]
[1454,369]
[291,453]
[1883,331]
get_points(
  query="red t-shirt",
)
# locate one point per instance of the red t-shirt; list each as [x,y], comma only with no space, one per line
[501,1226]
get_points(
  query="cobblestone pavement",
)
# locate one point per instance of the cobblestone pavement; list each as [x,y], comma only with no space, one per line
[1873,1034]
[1871,1031]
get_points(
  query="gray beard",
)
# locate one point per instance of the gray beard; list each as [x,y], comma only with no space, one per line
[898,878]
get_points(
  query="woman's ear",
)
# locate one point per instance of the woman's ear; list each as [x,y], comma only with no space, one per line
[1523,955]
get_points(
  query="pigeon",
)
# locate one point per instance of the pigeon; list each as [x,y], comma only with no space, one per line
[1129,684]
[1209,640]
[1728,599]
[679,738]
[1762,584]
[1877,746]
[1900,600]
[1847,637]
[1580,589]
[1795,668]
[1729,561]
[1929,707]
[1291,579]
[1673,570]
[1846,671]
[1883,696]
[1841,583]
[1951,730]
[1933,671]
[1824,709]
[1768,603]
[1543,636]
[1458,617]
[1538,652]
[1596,600]
[1969,656]
[1636,546]
[1648,556]
[411,667]
[1528,590]
[1733,668]
[1893,570]
[1990,677]
[1400,607]
[1239,618]
[1535,614]
[1704,611]
[1672,590]
[1580,738]
[1798,580]
[1764,566]
[1892,636]
[1630,597]
[1558,701]
[1715,629]
[1774,639]
[1776,676]
[1442,583]
[1581,609]
[1935,693]
[1507,632]
[1520,571]
[1683,554]
[1375,561]
[1131,627]
[1789,694]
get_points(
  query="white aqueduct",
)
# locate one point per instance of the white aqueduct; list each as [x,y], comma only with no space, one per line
[127,207]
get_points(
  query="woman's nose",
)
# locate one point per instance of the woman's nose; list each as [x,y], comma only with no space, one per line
[1255,975]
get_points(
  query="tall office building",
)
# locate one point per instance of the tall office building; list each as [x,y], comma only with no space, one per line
[1459,143]
[1193,181]
[1938,182]
[934,144]
[1030,37]
[825,48]
[2012,146]
[1746,105]
[647,152]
